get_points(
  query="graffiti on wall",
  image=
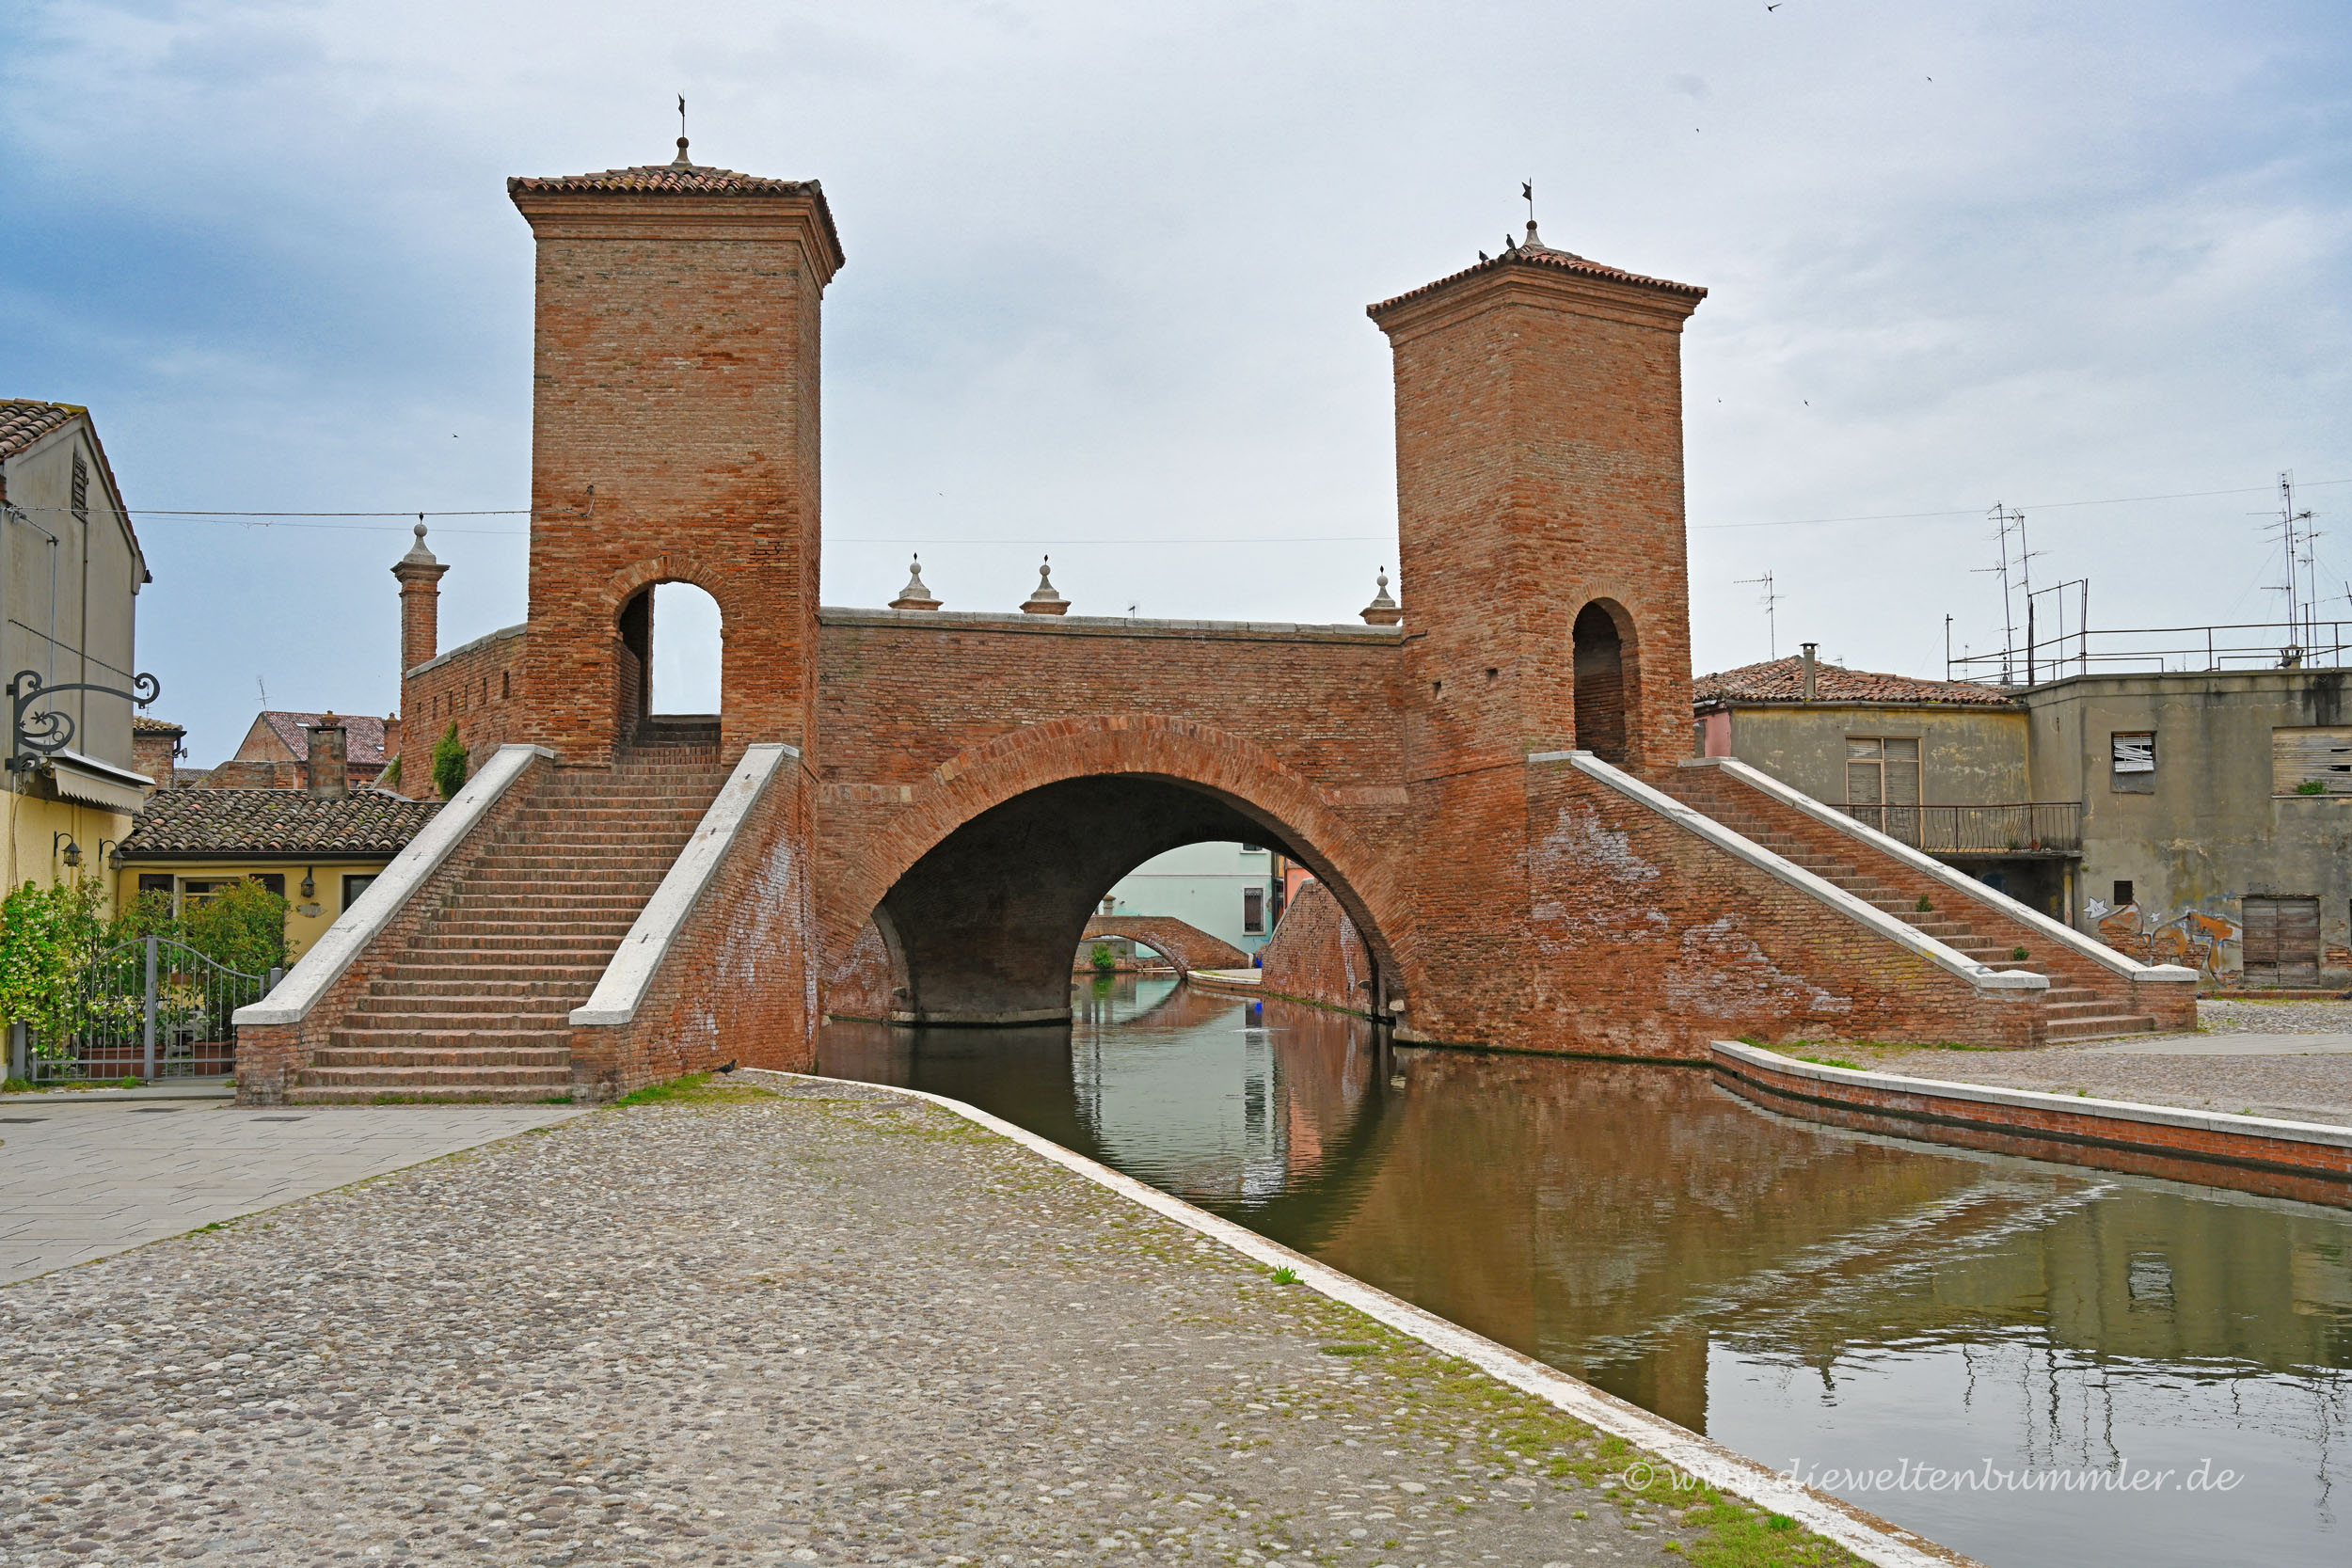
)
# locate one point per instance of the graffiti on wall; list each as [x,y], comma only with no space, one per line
[2191,939]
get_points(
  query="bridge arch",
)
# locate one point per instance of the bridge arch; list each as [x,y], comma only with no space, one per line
[986,877]
[1185,946]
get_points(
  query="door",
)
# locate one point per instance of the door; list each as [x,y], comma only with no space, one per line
[2282,942]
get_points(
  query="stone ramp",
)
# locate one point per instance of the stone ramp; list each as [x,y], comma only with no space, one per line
[475,1006]
[2088,998]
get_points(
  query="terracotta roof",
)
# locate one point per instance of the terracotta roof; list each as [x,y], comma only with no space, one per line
[668,179]
[145,724]
[363,734]
[280,822]
[25,420]
[1782,680]
[1534,253]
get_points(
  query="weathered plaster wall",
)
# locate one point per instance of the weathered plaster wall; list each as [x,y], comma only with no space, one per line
[1967,757]
[2212,831]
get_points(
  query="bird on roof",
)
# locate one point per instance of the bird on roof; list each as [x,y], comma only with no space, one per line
[1483,257]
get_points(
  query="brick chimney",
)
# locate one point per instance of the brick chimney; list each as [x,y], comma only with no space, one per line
[420,577]
[329,766]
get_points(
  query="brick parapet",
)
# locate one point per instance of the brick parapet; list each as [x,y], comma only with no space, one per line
[1635,937]
[1719,792]
[270,1057]
[736,982]
[479,688]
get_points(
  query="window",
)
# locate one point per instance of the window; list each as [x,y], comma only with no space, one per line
[2135,754]
[1253,848]
[1253,911]
[154,881]
[1883,770]
[354,886]
[2311,761]
[2123,893]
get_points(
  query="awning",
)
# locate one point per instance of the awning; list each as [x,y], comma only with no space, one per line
[75,777]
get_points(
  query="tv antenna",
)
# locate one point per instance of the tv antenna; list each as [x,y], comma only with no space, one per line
[2297,539]
[1768,599]
[2016,575]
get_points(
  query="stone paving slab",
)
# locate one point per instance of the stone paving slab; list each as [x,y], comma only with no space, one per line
[87,1180]
[832,1326]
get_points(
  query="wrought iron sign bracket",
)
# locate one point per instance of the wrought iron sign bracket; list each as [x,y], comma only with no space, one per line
[32,740]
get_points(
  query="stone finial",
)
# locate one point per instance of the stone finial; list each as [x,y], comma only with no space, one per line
[1383,610]
[681,161]
[915,595]
[1535,241]
[1045,601]
[418,555]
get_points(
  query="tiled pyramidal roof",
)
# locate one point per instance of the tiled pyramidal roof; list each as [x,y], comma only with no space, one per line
[363,733]
[1533,252]
[1782,680]
[676,178]
[277,822]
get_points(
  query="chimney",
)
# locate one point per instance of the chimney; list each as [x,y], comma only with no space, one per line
[330,759]
[1809,670]
[419,577]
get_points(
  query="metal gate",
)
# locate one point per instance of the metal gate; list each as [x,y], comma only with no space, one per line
[152,1008]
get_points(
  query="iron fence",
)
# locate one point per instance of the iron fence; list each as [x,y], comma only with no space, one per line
[2306,644]
[2017,828]
[152,1008]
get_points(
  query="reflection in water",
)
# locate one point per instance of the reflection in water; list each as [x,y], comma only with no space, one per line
[1804,1294]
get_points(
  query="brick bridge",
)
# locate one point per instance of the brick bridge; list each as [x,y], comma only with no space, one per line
[1494,790]
[1185,946]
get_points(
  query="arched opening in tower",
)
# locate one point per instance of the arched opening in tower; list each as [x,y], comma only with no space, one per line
[1600,706]
[672,689]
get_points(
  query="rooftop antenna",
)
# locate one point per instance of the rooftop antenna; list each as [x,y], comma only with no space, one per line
[2301,586]
[264,689]
[2010,523]
[1768,598]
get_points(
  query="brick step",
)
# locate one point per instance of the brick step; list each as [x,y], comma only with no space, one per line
[405,1057]
[448,974]
[2102,1025]
[550,923]
[457,1094]
[547,1080]
[2090,1007]
[452,1039]
[547,1015]
[578,906]
[433,941]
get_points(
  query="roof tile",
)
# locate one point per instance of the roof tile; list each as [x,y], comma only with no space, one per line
[275,821]
[1782,680]
[1540,255]
[25,420]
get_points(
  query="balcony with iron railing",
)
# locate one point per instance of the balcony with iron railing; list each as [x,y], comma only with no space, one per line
[2051,829]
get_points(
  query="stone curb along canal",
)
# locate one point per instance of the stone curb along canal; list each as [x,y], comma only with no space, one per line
[1865,1534]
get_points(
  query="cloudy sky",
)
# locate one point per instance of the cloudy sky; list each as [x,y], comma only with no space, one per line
[1107,266]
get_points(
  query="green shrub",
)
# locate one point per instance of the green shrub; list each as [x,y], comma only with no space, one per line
[49,936]
[449,763]
[1925,905]
[389,778]
[2311,787]
[1104,960]
[243,927]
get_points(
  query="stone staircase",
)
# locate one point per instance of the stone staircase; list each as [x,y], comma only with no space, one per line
[2083,1002]
[477,1006]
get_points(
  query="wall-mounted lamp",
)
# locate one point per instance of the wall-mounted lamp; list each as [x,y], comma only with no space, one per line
[72,854]
[110,850]
[309,883]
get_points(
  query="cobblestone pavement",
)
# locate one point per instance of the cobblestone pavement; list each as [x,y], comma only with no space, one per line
[2307,1078]
[835,1327]
[87,1180]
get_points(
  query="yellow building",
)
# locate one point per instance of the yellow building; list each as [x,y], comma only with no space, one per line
[71,570]
[318,851]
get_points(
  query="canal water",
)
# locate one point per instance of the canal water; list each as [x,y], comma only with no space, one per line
[1832,1300]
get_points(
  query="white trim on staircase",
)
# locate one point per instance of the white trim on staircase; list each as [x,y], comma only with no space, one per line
[361,923]
[621,989]
[2001,903]
[1982,976]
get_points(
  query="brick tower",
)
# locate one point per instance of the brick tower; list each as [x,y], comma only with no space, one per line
[674,428]
[1541,562]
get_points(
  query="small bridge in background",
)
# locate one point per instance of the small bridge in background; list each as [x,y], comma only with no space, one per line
[1186,946]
